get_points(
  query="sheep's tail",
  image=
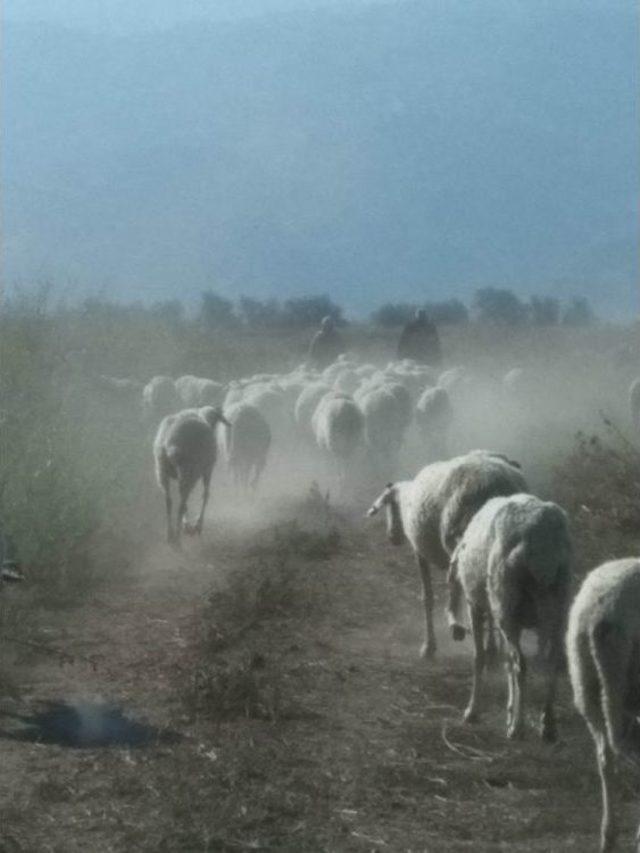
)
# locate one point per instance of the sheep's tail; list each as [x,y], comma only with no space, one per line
[610,650]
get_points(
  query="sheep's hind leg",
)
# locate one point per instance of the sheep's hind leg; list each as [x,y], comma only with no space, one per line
[492,653]
[257,473]
[471,714]
[429,646]
[458,631]
[604,757]
[551,641]
[184,487]
[166,488]
[206,482]
[517,674]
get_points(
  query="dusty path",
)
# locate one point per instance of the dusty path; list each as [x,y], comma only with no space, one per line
[351,742]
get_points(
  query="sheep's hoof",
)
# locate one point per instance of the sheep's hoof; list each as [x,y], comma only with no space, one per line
[471,716]
[428,651]
[458,632]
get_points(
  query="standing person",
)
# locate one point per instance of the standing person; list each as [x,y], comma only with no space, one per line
[326,345]
[420,340]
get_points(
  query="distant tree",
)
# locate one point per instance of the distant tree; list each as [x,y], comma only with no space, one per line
[578,312]
[497,305]
[309,311]
[261,315]
[447,313]
[544,310]
[216,312]
[393,314]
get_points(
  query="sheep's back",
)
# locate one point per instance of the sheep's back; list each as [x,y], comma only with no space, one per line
[445,496]
[250,436]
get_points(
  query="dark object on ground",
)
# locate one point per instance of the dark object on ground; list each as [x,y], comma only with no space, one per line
[84,724]
[10,568]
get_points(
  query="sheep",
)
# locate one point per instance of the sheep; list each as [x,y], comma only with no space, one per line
[458,383]
[338,426]
[235,393]
[414,377]
[346,381]
[185,450]
[603,643]
[434,418]
[634,402]
[247,443]
[160,398]
[387,411]
[307,403]
[514,565]
[119,391]
[196,391]
[271,402]
[433,510]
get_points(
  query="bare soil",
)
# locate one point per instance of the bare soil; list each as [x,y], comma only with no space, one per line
[331,735]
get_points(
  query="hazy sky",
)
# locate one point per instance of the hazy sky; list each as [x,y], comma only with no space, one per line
[401,150]
[136,15]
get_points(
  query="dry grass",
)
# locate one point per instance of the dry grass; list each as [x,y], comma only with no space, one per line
[599,486]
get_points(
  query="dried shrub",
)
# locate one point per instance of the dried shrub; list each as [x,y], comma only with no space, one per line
[599,486]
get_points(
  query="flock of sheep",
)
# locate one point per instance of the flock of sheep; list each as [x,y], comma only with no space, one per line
[507,553]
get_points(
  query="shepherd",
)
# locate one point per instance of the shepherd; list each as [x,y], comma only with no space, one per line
[326,345]
[420,341]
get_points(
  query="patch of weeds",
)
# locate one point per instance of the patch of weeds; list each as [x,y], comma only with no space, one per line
[225,690]
[599,486]
[264,589]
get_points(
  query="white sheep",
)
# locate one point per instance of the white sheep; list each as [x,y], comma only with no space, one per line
[514,565]
[433,510]
[634,402]
[347,381]
[271,401]
[603,643]
[458,383]
[125,392]
[195,391]
[185,450]
[387,411]
[434,419]
[160,398]
[235,393]
[247,443]
[338,426]
[307,403]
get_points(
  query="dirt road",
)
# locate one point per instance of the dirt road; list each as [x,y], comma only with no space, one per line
[287,710]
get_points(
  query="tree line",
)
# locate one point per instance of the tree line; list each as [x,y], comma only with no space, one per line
[489,305]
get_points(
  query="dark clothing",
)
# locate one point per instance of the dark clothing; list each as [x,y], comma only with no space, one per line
[420,341]
[326,346]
